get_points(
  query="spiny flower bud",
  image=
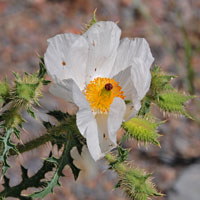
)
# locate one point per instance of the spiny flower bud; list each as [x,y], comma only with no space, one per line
[173,102]
[143,130]
[4,90]
[26,91]
[134,182]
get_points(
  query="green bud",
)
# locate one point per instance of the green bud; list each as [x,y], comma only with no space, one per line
[160,81]
[134,182]
[173,102]
[142,130]
[4,89]
[26,91]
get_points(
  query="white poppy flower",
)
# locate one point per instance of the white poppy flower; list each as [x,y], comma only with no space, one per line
[104,76]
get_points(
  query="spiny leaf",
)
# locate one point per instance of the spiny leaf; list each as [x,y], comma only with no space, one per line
[6,145]
[30,112]
[65,159]
[142,130]
[121,157]
[48,189]
[16,132]
[173,102]
[46,82]
[145,108]
[34,181]
[42,71]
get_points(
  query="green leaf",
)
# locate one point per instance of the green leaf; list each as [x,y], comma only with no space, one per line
[122,154]
[30,112]
[46,82]
[65,159]
[173,102]
[42,71]
[34,181]
[145,108]
[16,132]
[142,130]
[6,146]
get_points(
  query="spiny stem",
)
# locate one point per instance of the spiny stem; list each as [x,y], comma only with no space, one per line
[33,144]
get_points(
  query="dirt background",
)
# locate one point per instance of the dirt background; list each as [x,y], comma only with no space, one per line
[172,29]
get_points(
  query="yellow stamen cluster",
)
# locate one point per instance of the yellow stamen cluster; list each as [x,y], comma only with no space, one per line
[101,98]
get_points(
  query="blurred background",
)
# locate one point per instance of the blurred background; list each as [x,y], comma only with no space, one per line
[172,29]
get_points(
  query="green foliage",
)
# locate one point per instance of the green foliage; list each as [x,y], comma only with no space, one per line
[34,181]
[70,141]
[5,146]
[67,134]
[11,118]
[121,157]
[165,95]
[173,102]
[22,95]
[25,93]
[145,108]
[42,71]
[134,182]
[143,130]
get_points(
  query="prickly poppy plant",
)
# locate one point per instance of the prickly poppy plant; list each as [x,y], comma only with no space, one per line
[105,77]
[113,84]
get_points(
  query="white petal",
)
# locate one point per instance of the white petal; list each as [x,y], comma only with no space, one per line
[128,51]
[62,90]
[66,57]
[131,110]
[135,82]
[125,81]
[103,40]
[87,124]
[141,77]
[105,143]
[115,118]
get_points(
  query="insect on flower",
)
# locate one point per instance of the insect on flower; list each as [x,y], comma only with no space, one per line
[100,74]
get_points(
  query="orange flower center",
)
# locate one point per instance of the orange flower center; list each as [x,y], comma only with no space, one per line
[100,93]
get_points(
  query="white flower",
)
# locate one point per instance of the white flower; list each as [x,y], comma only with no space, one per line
[104,76]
